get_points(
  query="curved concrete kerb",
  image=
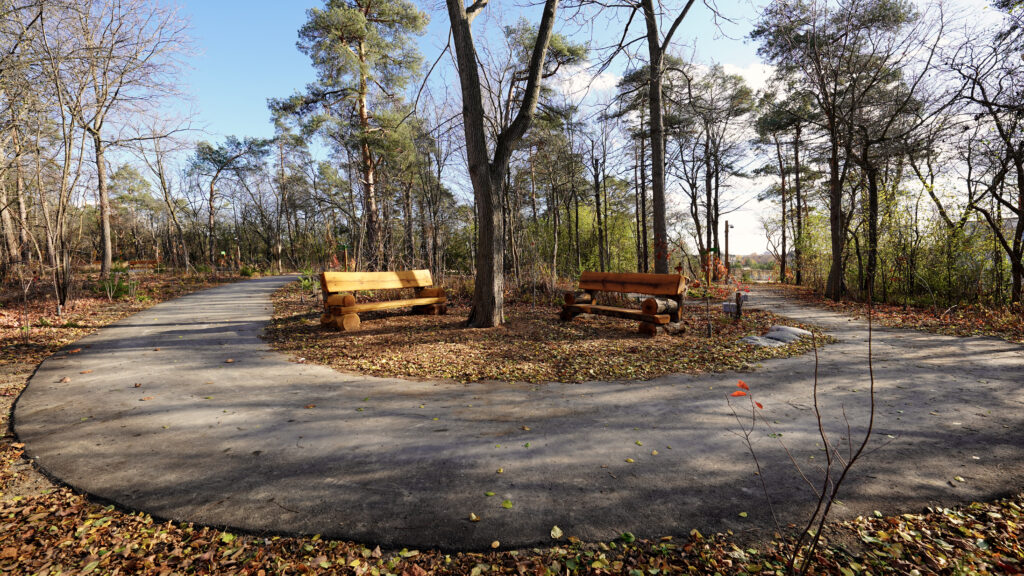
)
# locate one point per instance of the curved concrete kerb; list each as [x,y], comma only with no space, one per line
[164,424]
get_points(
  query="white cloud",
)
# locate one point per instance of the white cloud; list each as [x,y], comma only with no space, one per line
[578,81]
[756,74]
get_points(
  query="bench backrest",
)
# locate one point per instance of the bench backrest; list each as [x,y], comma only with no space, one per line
[657,284]
[332,282]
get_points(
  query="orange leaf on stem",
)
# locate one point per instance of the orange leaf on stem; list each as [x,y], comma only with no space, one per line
[738,393]
[758,404]
[743,385]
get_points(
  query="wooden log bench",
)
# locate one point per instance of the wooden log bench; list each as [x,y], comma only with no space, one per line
[143,264]
[342,311]
[657,315]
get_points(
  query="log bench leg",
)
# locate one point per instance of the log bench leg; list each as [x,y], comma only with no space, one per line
[568,314]
[347,322]
[647,329]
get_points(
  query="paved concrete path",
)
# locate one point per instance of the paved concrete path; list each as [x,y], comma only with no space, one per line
[180,433]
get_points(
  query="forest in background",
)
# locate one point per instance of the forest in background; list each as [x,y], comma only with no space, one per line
[889,136]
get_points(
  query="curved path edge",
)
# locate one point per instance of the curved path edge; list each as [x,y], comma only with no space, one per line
[154,418]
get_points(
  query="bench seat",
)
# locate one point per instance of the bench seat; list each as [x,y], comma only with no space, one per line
[616,312]
[370,306]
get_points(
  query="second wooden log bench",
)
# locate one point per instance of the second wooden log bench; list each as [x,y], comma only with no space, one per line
[342,311]
[656,315]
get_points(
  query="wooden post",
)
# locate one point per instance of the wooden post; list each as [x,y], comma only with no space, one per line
[739,305]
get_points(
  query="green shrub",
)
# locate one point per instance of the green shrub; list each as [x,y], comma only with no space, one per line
[117,286]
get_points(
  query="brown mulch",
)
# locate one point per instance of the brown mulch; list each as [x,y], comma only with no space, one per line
[1006,322]
[532,345]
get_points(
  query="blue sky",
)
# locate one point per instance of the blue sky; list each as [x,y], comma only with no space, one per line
[245,54]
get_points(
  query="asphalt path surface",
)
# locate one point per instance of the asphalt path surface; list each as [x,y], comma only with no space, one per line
[151,415]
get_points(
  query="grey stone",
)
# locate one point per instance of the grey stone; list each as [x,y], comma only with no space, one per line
[782,336]
[790,330]
[762,342]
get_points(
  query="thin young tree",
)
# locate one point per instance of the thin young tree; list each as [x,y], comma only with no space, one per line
[125,56]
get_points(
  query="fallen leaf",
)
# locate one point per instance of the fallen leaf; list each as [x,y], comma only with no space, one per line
[501,471]
[639,443]
[229,361]
[473,517]
[86,372]
[654,452]
[743,514]
[308,406]
[65,380]
[556,532]
[488,494]
[138,384]
[146,398]
[75,351]
[506,504]
[629,460]
[495,544]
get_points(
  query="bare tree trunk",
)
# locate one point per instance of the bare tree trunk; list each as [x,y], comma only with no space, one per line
[212,247]
[869,277]
[643,207]
[373,237]
[799,240]
[636,210]
[656,50]
[597,211]
[7,223]
[782,188]
[101,185]
[24,242]
[834,287]
[487,175]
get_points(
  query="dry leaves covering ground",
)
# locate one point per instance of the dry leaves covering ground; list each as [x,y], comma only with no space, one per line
[49,530]
[1006,322]
[533,345]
